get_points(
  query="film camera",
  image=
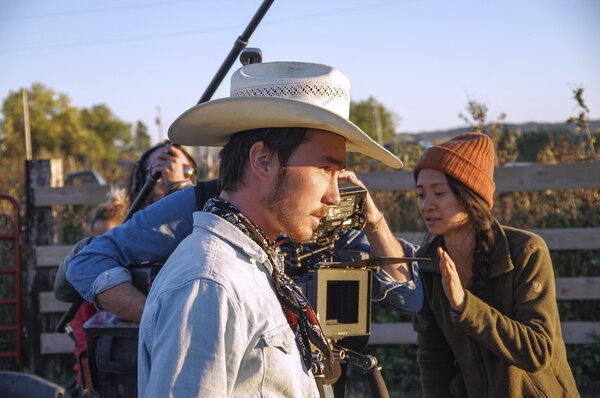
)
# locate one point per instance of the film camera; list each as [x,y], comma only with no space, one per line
[336,280]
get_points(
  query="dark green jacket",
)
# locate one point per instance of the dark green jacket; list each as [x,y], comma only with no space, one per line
[507,346]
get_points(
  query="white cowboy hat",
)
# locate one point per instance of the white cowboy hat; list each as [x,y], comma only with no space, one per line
[279,94]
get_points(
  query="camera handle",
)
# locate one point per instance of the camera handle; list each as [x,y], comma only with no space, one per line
[368,364]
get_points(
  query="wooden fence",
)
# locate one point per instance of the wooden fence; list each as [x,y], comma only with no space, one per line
[47,254]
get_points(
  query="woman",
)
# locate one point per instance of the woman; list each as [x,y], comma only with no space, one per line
[489,325]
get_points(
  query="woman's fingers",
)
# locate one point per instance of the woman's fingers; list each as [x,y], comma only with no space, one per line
[451,281]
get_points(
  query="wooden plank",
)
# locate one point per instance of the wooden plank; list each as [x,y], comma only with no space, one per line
[51,256]
[575,332]
[400,180]
[582,288]
[535,177]
[539,177]
[556,238]
[402,333]
[55,343]
[49,303]
[392,333]
[570,238]
[71,195]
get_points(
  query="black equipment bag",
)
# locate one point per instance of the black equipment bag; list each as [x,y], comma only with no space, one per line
[113,354]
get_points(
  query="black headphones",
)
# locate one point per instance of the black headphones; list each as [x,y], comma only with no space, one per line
[138,177]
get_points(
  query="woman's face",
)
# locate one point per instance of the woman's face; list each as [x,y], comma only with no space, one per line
[440,209]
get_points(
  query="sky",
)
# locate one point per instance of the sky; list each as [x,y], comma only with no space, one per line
[422,59]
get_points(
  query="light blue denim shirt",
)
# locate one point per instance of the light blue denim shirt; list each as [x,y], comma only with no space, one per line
[213,326]
[153,234]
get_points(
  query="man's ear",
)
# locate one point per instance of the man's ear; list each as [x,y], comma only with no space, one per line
[261,160]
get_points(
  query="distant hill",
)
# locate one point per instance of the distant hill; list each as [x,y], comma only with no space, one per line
[437,136]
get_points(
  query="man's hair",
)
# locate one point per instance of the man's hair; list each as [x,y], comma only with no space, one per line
[280,141]
[115,208]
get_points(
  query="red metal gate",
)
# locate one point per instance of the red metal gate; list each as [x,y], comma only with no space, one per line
[15,271]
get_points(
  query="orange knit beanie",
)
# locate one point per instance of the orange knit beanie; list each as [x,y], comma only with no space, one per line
[469,158]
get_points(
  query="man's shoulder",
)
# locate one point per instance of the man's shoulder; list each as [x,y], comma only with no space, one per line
[208,255]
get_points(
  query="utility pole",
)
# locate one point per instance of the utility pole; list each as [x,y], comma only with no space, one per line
[28,155]
[161,135]
[378,128]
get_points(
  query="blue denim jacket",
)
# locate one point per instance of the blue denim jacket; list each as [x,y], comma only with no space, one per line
[153,234]
[213,326]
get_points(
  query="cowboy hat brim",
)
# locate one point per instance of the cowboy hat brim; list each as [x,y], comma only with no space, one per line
[212,123]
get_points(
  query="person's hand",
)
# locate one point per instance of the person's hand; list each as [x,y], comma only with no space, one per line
[451,281]
[172,164]
[371,211]
[381,239]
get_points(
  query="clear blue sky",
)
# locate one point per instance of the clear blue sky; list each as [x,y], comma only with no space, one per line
[421,59]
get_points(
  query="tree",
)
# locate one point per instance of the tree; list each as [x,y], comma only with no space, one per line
[374,119]
[141,139]
[53,121]
[88,138]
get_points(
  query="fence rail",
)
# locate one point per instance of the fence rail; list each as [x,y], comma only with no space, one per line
[535,177]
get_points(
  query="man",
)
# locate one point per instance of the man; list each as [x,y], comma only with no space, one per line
[216,320]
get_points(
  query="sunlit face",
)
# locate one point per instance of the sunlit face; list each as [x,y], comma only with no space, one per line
[299,200]
[439,207]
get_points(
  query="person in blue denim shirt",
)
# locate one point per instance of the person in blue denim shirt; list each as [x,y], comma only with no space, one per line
[207,328]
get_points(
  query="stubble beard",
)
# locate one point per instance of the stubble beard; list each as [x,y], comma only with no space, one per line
[282,203]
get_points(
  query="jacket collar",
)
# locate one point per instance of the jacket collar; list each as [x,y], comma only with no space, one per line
[231,234]
[501,260]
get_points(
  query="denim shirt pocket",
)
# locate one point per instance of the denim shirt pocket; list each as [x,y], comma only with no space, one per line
[280,338]
[284,372]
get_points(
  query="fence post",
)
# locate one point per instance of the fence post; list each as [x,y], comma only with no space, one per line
[40,225]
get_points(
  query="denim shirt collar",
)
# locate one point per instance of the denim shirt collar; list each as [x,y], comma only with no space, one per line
[231,234]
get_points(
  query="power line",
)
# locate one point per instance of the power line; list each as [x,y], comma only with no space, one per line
[195,31]
[91,10]
[117,41]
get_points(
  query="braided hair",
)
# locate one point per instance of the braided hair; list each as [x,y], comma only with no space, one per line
[481,216]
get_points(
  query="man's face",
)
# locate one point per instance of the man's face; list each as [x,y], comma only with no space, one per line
[298,200]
